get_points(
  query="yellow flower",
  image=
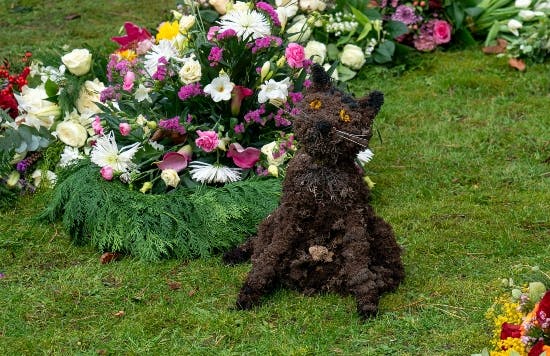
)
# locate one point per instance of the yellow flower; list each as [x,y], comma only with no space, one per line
[168,30]
[128,55]
[344,116]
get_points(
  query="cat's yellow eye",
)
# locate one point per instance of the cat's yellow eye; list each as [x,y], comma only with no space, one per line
[344,116]
[316,104]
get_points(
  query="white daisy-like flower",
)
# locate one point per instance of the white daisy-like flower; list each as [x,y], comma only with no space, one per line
[248,24]
[213,173]
[365,156]
[69,156]
[274,91]
[220,88]
[165,49]
[106,153]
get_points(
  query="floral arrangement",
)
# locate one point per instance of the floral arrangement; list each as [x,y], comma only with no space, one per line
[521,319]
[520,28]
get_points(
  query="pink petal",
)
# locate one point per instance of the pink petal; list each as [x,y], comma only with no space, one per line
[243,157]
[173,160]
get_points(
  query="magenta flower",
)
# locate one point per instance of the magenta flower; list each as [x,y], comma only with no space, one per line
[212,32]
[295,55]
[190,90]
[270,11]
[238,95]
[243,157]
[405,14]
[96,125]
[207,140]
[215,56]
[107,172]
[134,35]
[226,34]
[129,78]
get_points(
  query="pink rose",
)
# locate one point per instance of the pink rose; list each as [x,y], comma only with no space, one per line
[207,140]
[295,55]
[129,78]
[106,172]
[124,128]
[442,32]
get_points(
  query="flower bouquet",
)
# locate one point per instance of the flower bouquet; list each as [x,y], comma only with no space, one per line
[521,320]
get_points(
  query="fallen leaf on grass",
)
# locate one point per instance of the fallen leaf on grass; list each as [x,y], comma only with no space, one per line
[192,292]
[517,63]
[109,257]
[102,352]
[174,285]
[500,47]
[119,313]
[70,17]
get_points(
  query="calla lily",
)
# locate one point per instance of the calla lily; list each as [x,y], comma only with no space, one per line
[238,95]
[243,157]
[175,160]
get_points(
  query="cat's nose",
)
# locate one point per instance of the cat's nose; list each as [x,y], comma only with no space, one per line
[324,127]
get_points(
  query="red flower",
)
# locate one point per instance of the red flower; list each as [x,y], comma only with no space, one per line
[510,330]
[8,102]
[543,310]
[539,348]
[134,35]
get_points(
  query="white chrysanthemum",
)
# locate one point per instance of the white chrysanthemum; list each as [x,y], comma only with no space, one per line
[213,173]
[165,49]
[69,156]
[106,153]
[220,88]
[274,91]
[248,24]
[365,156]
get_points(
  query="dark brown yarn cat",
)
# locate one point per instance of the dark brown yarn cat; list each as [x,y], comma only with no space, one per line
[324,236]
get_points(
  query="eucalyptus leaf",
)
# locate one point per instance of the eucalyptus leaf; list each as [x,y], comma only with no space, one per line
[384,52]
[396,28]
[345,74]
[332,52]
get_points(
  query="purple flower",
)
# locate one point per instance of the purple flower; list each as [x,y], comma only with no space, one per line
[2,275]
[239,129]
[172,124]
[22,165]
[160,74]
[405,14]
[108,93]
[270,11]
[226,34]
[190,90]
[255,115]
[296,97]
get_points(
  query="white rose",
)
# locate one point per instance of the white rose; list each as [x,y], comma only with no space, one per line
[190,72]
[72,133]
[312,5]
[186,22]
[240,5]
[286,12]
[316,51]
[78,62]
[352,56]
[89,95]
[299,30]
[522,4]
[170,177]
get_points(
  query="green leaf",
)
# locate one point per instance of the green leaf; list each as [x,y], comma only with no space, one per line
[366,29]
[344,73]
[396,28]
[332,52]
[360,16]
[51,88]
[384,52]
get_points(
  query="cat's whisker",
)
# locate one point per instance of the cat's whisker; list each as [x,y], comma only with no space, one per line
[350,134]
[362,144]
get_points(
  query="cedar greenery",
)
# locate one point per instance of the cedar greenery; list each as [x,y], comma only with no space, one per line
[185,223]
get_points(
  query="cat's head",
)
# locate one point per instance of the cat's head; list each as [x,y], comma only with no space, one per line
[332,126]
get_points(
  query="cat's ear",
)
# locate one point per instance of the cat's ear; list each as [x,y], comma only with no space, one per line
[320,79]
[374,100]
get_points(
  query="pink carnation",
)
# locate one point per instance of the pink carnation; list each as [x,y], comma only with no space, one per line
[129,78]
[124,128]
[107,172]
[295,55]
[441,31]
[207,140]
[96,125]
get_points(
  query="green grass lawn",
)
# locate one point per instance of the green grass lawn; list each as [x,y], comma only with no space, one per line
[461,172]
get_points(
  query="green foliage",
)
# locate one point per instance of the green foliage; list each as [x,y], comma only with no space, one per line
[184,223]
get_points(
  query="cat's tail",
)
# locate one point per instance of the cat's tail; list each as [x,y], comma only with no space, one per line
[239,254]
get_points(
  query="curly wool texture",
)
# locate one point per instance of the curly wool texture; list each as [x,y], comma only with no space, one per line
[186,223]
[324,236]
